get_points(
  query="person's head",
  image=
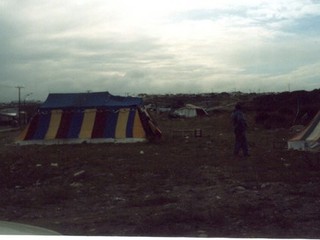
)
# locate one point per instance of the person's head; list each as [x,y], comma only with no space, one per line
[238,106]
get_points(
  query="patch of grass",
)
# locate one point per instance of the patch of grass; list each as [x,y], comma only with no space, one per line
[35,197]
[54,194]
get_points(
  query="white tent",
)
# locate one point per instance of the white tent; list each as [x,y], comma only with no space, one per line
[190,111]
[309,138]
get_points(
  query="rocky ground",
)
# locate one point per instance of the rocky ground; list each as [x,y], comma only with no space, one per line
[180,186]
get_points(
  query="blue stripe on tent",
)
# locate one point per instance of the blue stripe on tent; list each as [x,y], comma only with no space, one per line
[44,121]
[75,125]
[130,123]
[111,124]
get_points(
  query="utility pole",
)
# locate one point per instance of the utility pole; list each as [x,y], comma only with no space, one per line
[19,104]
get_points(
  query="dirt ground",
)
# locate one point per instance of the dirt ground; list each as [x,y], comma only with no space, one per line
[181,186]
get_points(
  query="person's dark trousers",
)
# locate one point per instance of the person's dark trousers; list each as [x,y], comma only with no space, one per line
[240,144]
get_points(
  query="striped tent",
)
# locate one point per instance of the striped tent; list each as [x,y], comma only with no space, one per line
[309,138]
[91,118]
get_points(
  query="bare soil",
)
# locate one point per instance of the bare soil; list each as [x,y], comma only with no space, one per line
[180,186]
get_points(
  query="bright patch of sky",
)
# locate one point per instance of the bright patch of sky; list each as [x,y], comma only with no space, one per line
[146,46]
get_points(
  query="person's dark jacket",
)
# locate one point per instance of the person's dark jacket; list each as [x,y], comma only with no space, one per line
[239,122]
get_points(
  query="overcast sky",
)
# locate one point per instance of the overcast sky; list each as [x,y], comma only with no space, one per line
[167,46]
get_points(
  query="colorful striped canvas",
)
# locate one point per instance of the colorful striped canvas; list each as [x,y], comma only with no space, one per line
[80,124]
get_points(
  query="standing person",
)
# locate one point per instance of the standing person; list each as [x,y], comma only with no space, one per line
[240,127]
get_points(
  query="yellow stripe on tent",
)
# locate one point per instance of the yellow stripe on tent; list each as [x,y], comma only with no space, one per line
[138,131]
[23,134]
[54,124]
[87,123]
[121,127]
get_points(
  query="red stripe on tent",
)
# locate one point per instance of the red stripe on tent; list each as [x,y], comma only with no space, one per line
[99,124]
[32,127]
[64,124]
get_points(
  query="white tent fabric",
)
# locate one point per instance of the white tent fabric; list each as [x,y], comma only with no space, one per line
[309,138]
[190,111]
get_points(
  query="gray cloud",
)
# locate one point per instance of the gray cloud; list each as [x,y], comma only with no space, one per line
[74,47]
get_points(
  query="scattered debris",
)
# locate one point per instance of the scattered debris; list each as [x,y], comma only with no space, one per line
[80,173]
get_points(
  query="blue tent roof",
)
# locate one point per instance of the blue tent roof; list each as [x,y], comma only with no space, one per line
[89,100]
